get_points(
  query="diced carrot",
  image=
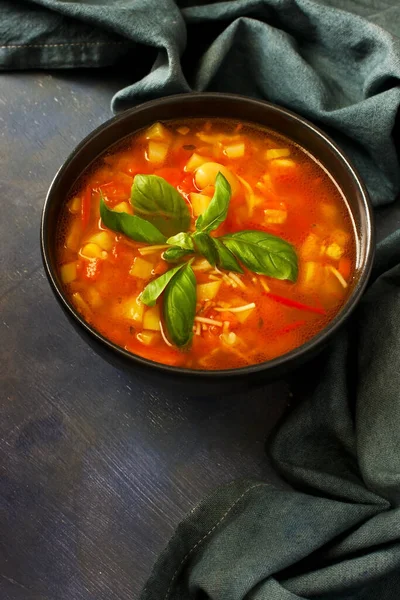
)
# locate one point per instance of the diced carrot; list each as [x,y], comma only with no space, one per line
[86,206]
[345,267]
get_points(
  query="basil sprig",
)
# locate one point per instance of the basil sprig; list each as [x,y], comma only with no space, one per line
[264,253]
[182,240]
[216,211]
[162,217]
[156,287]
[174,254]
[205,245]
[179,306]
[225,258]
[132,226]
[160,203]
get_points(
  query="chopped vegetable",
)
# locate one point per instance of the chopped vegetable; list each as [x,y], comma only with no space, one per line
[92,251]
[195,161]
[103,239]
[272,153]
[199,203]
[208,291]
[151,319]
[141,268]
[74,205]
[157,152]
[273,215]
[158,133]
[334,251]
[68,272]
[235,150]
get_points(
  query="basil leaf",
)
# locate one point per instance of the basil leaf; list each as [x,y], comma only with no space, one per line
[132,226]
[179,306]
[157,201]
[174,254]
[156,287]
[226,259]
[216,212]
[264,253]
[205,245]
[182,240]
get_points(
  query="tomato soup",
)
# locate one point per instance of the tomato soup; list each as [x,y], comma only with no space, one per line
[207,244]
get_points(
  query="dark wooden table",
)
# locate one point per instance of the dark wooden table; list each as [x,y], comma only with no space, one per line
[97,470]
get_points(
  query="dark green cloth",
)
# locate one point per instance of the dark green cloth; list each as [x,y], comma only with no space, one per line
[336,534]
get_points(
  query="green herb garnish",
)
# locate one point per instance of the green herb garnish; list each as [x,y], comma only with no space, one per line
[179,306]
[264,253]
[161,213]
[155,200]
[132,226]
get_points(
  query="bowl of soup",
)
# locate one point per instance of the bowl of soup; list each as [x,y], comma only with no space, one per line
[209,240]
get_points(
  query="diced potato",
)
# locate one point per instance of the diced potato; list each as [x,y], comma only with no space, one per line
[340,237]
[183,130]
[68,272]
[73,238]
[274,215]
[74,205]
[265,184]
[199,203]
[92,251]
[148,337]
[311,247]
[123,207]
[93,297]
[131,309]
[282,167]
[79,302]
[207,291]
[276,153]
[329,211]
[235,150]
[158,133]
[157,152]
[207,173]
[243,315]
[334,251]
[141,268]
[312,274]
[151,319]
[103,239]
[195,161]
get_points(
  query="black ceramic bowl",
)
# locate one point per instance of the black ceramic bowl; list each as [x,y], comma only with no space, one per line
[210,105]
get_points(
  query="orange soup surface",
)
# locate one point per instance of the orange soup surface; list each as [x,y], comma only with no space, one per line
[239,317]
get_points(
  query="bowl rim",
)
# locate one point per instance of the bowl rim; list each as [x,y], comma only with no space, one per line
[299,352]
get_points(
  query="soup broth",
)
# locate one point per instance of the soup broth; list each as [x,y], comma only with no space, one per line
[240,314]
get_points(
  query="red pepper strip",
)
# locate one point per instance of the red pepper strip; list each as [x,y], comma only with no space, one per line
[86,206]
[290,327]
[295,304]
